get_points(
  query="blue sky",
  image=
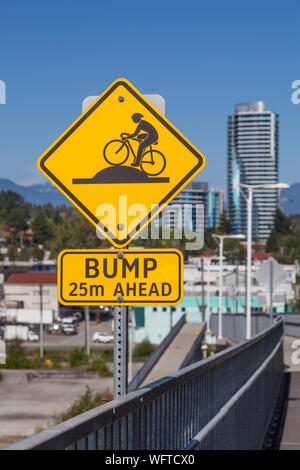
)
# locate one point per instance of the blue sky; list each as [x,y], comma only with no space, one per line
[202,56]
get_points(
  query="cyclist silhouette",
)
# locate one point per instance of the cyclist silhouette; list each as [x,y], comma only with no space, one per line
[149,138]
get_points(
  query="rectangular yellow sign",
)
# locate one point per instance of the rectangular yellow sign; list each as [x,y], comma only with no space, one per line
[114,277]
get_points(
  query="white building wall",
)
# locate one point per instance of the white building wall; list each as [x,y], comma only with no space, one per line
[29,294]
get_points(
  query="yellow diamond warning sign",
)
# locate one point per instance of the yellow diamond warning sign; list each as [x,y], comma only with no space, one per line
[132,277]
[121,162]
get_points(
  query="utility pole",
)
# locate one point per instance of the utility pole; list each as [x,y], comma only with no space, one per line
[236,286]
[41,323]
[246,288]
[208,304]
[87,329]
[130,345]
[271,290]
[203,293]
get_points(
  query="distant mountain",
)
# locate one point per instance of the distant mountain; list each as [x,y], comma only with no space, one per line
[290,199]
[36,193]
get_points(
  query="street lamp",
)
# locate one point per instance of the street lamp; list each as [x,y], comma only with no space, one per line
[249,201]
[221,240]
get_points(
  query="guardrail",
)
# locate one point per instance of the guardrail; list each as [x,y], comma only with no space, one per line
[195,352]
[223,402]
[155,355]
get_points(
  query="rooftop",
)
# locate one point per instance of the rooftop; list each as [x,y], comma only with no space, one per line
[33,278]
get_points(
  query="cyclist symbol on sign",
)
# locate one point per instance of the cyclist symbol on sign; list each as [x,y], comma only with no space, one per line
[152,162]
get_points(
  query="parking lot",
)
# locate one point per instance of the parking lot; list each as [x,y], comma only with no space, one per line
[61,341]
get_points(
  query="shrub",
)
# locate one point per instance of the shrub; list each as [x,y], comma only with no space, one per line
[16,356]
[77,357]
[143,349]
[86,402]
[97,364]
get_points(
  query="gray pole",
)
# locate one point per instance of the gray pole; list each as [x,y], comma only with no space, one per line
[271,291]
[87,329]
[120,351]
[171,318]
[41,323]
[203,292]
[220,333]
[249,262]
[237,287]
[130,346]
[245,287]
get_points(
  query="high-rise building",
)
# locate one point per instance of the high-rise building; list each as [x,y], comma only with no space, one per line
[195,207]
[214,208]
[253,160]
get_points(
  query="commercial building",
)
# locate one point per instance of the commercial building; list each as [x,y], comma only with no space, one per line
[22,290]
[215,201]
[252,160]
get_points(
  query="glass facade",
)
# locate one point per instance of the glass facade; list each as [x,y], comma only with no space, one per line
[252,159]
[185,211]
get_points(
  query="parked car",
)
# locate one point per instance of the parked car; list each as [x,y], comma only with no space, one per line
[69,330]
[32,336]
[54,328]
[99,337]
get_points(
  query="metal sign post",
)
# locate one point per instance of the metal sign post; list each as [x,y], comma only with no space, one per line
[41,323]
[120,351]
[87,329]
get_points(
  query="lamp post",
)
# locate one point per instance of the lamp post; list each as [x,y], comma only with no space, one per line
[249,200]
[221,243]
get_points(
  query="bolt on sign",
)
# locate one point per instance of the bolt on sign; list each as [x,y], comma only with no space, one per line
[133,277]
[121,162]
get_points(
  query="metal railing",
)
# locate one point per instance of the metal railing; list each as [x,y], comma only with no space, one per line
[155,355]
[229,397]
[195,352]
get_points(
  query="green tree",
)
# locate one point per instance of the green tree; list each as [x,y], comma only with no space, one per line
[75,232]
[24,254]
[12,252]
[42,228]
[284,241]
[14,212]
[234,251]
[225,226]
[37,253]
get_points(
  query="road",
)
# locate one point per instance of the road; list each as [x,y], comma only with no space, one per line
[173,357]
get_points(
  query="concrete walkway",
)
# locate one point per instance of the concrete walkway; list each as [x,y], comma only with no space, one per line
[291,431]
[173,357]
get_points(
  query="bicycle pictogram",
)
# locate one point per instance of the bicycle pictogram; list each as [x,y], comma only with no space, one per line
[116,152]
[151,161]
